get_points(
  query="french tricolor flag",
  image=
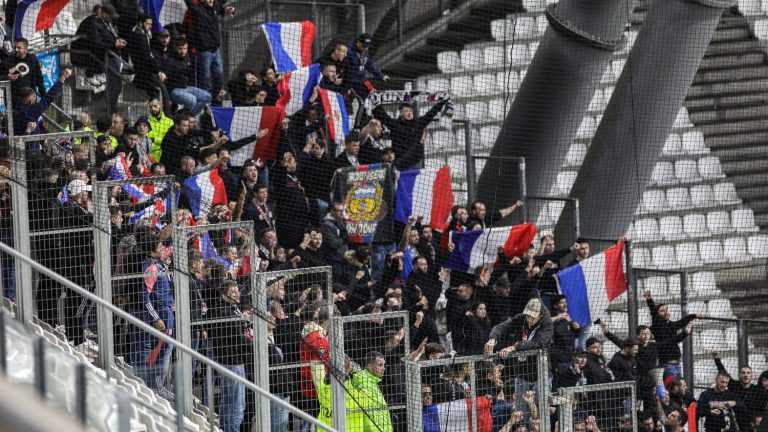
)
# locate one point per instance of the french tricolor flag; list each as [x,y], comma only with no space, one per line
[240,122]
[121,170]
[33,16]
[480,247]
[204,191]
[209,251]
[290,44]
[336,114]
[425,193]
[158,208]
[591,285]
[163,12]
[297,87]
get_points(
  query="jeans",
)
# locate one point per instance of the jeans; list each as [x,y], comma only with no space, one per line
[582,335]
[672,369]
[279,416]
[522,385]
[378,258]
[153,376]
[193,98]
[8,265]
[209,63]
[232,400]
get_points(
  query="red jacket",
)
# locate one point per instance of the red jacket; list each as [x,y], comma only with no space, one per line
[314,346]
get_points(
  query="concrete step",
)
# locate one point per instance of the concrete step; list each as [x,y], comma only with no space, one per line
[761,220]
[719,90]
[734,47]
[741,167]
[732,33]
[726,143]
[719,102]
[759,206]
[748,180]
[730,75]
[729,114]
[736,127]
[732,61]
[753,193]
[747,154]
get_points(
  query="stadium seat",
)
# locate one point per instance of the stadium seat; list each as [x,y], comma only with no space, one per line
[743,220]
[725,193]
[462,84]
[757,361]
[565,180]
[587,128]
[646,230]
[448,61]
[750,7]
[757,245]
[711,252]
[617,66]
[477,111]
[488,135]
[508,81]
[695,225]
[704,282]
[541,25]
[597,103]
[576,154]
[522,73]
[686,171]
[710,168]
[532,48]
[644,316]
[654,201]
[735,249]
[525,27]
[671,228]
[675,311]
[761,28]
[535,5]
[712,339]
[678,198]
[471,58]
[485,84]
[458,167]
[731,338]
[663,174]
[681,121]
[442,140]
[687,254]
[718,222]
[519,55]
[641,257]
[501,29]
[493,55]
[693,143]
[497,109]
[697,307]
[704,373]
[719,308]
[673,146]
[664,257]
[438,84]
[656,284]
[619,320]
[702,196]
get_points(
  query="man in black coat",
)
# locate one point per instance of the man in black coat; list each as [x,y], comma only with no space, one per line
[406,131]
[23,70]
[349,157]
[145,65]
[177,143]
[206,39]
[180,76]
[665,329]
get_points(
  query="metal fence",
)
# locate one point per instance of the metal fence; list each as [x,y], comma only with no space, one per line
[478,392]
[605,407]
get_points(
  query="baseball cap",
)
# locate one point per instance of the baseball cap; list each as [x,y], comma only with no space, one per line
[366,39]
[533,308]
[143,120]
[579,353]
[101,138]
[77,186]
[108,8]
[250,162]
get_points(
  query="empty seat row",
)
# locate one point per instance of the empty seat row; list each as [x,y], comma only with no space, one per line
[753,7]
[687,171]
[695,254]
[693,225]
[700,284]
[683,198]
[469,85]
[690,142]
[479,58]
[520,27]
[761,29]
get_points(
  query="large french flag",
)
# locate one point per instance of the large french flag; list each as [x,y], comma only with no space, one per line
[33,16]
[240,122]
[425,193]
[290,44]
[163,12]
[480,247]
[204,191]
[297,87]
[457,415]
[591,285]
[336,114]
[121,170]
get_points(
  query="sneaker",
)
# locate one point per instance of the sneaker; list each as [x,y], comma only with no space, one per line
[166,394]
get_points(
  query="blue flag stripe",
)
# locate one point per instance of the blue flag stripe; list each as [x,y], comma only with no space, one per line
[573,285]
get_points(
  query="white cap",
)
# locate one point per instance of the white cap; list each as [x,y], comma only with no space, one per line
[77,186]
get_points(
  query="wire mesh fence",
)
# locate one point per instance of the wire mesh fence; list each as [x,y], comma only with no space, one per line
[599,407]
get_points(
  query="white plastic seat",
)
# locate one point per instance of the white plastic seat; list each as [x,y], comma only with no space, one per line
[654,201]
[541,25]
[641,257]
[711,252]
[712,339]
[508,82]
[704,373]
[448,61]
[725,193]
[695,225]
[663,173]
[501,29]
[697,307]
[757,246]
[532,48]
[646,230]
[757,361]
[678,198]
[493,55]
[673,145]
[587,128]
[438,84]
[710,168]
[525,27]
[471,58]
[675,311]
[686,170]
[693,142]
[477,111]
[657,285]
[617,66]
[535,5]
[750,7]
[704,282]
[682,120]
[735,249]
[485,84]
[443,139]
[565,180]
[702,196]
[597,103]
[458,168]
[488,134]
[671,228]
[497,109]
[664,257]
[462,84]
[761,27]
[687,254]
[719,308]
[718,222]
[619,320]
[576,154]
[519,55]
[732,338]
[743,220]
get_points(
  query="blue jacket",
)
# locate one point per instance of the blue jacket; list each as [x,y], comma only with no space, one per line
[157,293]
[23,114]
[430,420]
[359,64]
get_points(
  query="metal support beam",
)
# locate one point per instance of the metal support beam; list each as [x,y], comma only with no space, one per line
[743,342]
[103,270]
[688,342]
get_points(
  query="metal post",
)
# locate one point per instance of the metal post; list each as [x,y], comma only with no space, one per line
[576,221]
[209,396]
[317,47]
[179,377]
[25,298]
[338,392]
[399,22]
[183,390]
[3,352]
[472,393]
[743,342]
[688,342]
[542,380]
[566,410]
[261,368]
[101,234]
[632,289]
[124,411]
[413,397]
[360,18]
[268,10]
[470,161]
[82,393]
[39,350]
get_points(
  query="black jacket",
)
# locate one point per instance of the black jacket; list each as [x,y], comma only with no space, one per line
[97,36]
[207,34]
[230,338]
[597,371]
[144,61]
[33,79]
[175,147]
[179,71]
[406,134]
[667,330]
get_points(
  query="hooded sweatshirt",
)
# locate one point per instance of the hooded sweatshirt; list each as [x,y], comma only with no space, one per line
[314,346]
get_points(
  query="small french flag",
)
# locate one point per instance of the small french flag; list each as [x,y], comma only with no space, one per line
[209,251]
[120,170]
[591,285]
[425,193]
[148,213]
[33,16]
[240,122]
[204,191]
[297,87]
[480,247]
[290,44]
[335,114]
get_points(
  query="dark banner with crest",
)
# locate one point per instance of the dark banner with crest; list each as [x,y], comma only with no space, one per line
[366,191]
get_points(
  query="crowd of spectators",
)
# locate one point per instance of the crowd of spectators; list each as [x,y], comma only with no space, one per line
[495,311]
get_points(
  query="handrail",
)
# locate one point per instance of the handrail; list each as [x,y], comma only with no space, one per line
[64,114]
[162,336]
[59,127]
